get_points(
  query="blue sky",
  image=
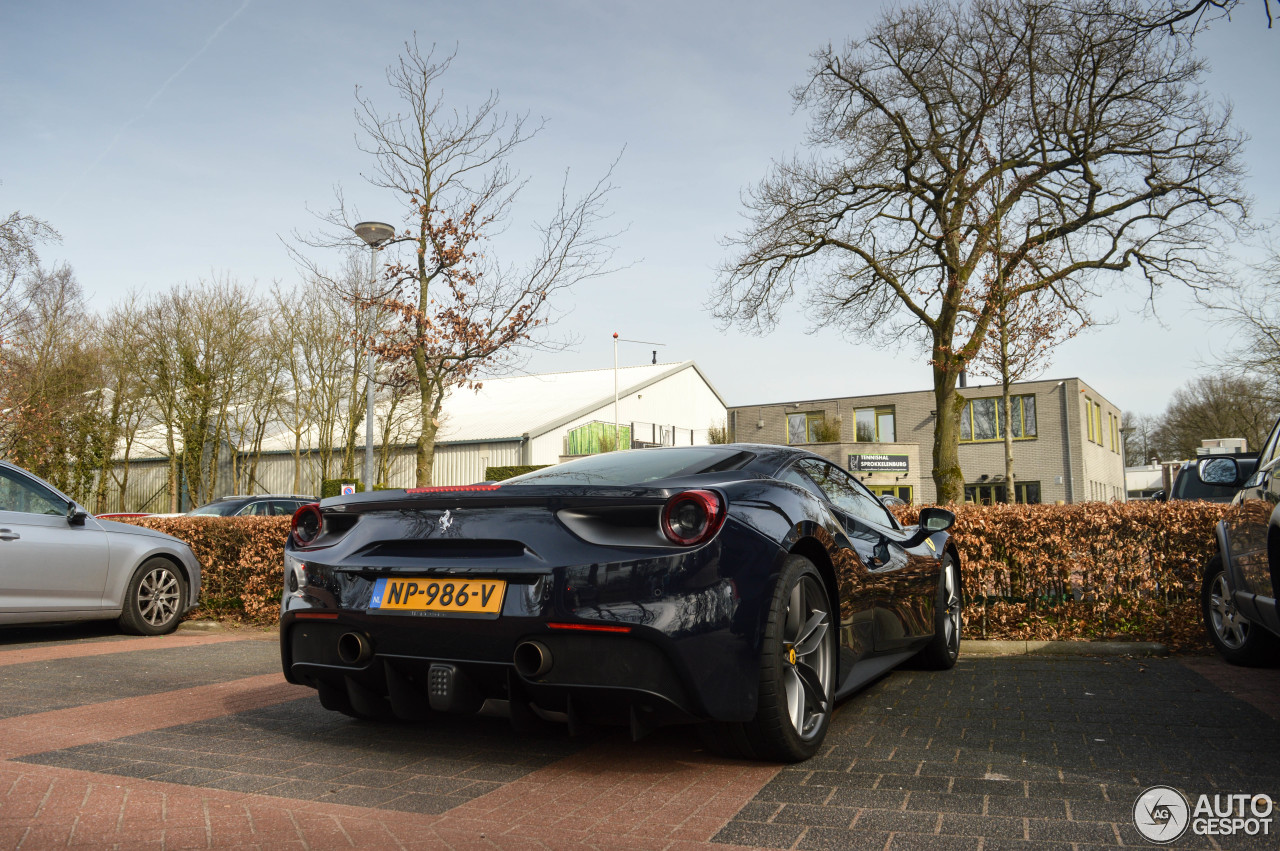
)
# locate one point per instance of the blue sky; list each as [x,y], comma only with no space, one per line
[178,140]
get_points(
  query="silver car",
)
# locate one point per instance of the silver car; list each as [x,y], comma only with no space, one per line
[58,563]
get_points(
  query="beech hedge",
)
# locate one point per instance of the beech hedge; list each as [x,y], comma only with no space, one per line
[1128,571]
[1119,571]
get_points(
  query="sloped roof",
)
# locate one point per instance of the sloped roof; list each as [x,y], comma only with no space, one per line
[503,408]
[509,408]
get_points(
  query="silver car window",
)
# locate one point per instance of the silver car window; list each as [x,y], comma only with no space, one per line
[846,493]
[18,493]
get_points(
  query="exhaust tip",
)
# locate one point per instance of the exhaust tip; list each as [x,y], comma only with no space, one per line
[354,649]
[532,659]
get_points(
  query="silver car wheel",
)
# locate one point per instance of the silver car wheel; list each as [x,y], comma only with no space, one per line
[1231,627]
[159,596]
[952,622]
[809,658]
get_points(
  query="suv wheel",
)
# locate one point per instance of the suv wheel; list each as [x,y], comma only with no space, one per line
[1238,640]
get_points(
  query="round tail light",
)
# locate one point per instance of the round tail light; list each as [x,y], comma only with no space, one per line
[692,517]
[307,523]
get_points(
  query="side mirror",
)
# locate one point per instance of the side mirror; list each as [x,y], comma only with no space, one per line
[1223,471]
[1159,496]
[76,515]
[936,519]
[931,520]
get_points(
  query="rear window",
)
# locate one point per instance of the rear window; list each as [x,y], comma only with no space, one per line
[1189,485]
[637,466]
[219,509]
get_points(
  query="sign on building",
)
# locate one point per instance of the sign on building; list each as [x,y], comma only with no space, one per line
[879,463]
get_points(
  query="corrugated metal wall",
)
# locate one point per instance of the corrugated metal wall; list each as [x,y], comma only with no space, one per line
[464,464]
[146,490]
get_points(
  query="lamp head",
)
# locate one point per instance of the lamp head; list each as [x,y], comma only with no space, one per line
[374,233]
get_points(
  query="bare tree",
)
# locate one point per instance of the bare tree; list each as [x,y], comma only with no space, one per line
[199,342]
[1211,407]
[126,408]
[54,419]
[20,236]
[1250,316]
[1139,437]
[1026,325]
[317,330]
[1108,151]
[1191,16]
[460,313]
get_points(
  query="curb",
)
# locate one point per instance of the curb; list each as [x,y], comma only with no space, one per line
[975,647]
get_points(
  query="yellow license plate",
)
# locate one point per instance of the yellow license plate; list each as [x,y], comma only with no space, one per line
[483,596]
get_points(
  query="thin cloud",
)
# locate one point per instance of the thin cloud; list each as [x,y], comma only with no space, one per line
[160,91]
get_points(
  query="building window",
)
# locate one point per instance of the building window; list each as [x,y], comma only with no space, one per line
[1025,493]
[1093,419]
[983,419]
[874,425]
[803,428]
[902,492]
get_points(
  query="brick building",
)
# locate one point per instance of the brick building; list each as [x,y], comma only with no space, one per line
[1067,444]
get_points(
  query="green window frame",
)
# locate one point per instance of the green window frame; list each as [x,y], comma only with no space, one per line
[981,421]
[875,425]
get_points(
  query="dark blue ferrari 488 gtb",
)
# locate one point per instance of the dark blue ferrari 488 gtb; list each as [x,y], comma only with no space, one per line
[745,588]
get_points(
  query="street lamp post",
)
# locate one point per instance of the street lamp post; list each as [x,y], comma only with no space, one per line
[375,235]
[1124,459]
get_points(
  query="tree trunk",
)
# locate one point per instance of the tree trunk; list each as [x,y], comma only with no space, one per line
[173,474]
[948,478]
[426,444]
[1010,493]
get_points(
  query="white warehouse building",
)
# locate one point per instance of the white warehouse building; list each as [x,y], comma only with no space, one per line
[519,420]
[541,419]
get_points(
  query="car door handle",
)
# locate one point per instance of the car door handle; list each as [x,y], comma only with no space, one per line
[9,535]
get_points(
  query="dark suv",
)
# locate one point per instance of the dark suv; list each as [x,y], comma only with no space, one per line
[1188,484]
[1242,582]
[263,505]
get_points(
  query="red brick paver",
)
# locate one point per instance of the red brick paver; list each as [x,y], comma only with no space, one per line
[22,655]
[97,722]
[1259,687]
[656,795]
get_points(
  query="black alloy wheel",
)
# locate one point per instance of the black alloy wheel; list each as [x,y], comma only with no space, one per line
[153,603]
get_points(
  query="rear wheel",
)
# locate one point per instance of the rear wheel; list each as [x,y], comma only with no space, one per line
[1239,640]
[154,600]
[797,674]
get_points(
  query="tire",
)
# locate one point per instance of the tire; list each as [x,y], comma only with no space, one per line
[1239,640]
[797,675]
[942,651]
[155,599]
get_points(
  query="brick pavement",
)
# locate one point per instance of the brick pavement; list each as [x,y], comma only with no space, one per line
[1000,753]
